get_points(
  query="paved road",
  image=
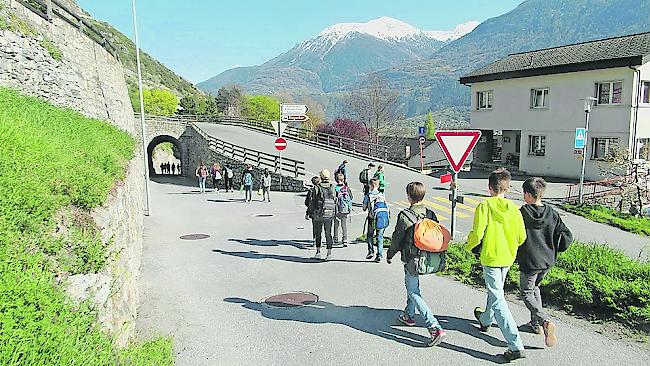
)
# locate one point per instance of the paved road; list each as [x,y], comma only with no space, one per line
[474,186]
[206,295]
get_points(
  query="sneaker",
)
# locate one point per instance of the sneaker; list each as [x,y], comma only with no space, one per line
[511,355]
[317,255]
[532,328]
[549,333]
[369,256]
[477,314]
[406,319]
[378,259]
[437,335]
[329,254]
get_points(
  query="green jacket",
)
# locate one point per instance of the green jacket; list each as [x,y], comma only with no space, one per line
[499,229]
[382,181]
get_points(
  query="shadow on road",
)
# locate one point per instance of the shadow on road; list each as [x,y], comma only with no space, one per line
[300,244]
[378,322]
[286,258]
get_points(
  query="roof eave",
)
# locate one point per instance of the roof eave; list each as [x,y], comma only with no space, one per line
[559,69]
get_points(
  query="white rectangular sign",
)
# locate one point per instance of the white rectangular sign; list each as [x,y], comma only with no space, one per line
[293,109]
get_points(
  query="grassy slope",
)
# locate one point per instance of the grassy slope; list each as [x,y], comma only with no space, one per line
[50,160]
[633,224]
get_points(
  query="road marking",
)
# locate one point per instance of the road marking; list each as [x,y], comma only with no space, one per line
[459,205]
[407,205]
[471,200]
[443,208]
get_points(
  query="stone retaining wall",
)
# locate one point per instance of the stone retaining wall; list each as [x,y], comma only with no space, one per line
[89,80]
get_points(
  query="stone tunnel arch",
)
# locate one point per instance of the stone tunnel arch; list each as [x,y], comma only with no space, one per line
[180,152]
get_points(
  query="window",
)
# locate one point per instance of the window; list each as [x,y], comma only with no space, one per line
[537,145]
[609,92]
[539,98]
[484,100]
[645,92]
[603,147]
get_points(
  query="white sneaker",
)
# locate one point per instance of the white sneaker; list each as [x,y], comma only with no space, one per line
[329,254]
[317,255]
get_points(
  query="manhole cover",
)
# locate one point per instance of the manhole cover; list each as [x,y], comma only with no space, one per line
[291,299]
[264,215]
[195,236]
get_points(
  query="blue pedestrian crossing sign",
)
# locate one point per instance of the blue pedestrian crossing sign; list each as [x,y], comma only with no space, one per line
[422,131]
[580,138]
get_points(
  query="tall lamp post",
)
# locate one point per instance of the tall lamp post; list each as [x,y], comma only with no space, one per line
[147,209]
[589,102]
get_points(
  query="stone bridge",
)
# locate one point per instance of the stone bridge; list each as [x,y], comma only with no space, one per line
[159,130]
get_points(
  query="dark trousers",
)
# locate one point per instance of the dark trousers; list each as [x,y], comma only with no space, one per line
[529,284]
[228,183]
[215,184]
[319,225]
[366,189]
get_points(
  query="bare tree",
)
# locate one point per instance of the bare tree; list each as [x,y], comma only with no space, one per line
[632,177]
[375,105]
[316,114]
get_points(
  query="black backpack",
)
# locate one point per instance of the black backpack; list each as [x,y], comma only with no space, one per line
[363,176]
[326,205]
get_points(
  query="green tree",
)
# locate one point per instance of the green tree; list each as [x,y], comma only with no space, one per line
[188,105]
[262,108]
[230,101]
[157,102]
[211,105]
[430,127]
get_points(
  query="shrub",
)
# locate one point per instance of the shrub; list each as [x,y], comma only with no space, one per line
[590,279]
[50,164]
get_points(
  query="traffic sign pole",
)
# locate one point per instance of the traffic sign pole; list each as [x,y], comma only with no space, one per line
[454,199]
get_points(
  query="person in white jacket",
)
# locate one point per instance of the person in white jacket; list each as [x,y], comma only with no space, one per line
[266,185]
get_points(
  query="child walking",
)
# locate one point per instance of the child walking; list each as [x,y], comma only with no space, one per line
[374,235]
[499,229]
[311,195]
[266,185]
[404,243]
[343,209]
[247,181]
[546,236]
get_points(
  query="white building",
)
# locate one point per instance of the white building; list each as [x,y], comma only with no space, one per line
[528,105]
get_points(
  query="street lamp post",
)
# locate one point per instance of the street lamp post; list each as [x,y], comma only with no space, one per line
[588,104]
[147,209]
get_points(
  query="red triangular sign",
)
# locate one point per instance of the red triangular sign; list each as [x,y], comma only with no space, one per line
[457,145]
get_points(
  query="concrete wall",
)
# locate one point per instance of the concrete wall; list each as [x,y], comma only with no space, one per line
[511,111]
[87,79]
[643,117]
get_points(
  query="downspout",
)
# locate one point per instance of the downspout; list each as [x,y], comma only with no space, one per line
[635,106]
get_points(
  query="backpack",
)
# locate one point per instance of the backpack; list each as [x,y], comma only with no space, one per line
[248,179]
[426,233]
[343,201]
[363,176]
[230,174]
[380,214]
[326,205]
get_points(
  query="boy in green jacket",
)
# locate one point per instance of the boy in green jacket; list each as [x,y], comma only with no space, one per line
[499,230]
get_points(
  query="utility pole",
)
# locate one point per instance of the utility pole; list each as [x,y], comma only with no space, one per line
[588,103]
[147,209]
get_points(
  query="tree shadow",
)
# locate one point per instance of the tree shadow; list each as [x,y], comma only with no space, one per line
[300,244]
[378,322]
[285,258]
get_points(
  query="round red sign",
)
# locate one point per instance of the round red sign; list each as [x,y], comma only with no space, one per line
[280,144]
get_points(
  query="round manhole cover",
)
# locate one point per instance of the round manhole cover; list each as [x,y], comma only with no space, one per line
[195,236]
[291,299]
[264,215]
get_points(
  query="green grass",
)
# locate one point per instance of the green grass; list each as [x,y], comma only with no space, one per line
[15,24]
[52,49]
[53,171]
[591,280]
[633,224]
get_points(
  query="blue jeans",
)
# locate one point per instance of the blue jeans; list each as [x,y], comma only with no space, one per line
[497,307]
[202,184]
[375,236]
[414,300]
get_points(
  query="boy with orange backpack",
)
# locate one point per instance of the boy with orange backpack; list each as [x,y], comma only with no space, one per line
[422,243]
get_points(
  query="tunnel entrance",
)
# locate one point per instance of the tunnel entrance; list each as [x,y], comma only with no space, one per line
[165,155]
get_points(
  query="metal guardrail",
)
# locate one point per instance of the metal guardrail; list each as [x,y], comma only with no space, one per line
[595,189]
[47,9]
[319,138]
[254,157]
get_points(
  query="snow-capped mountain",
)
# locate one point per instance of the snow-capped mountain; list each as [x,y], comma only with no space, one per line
[338,56]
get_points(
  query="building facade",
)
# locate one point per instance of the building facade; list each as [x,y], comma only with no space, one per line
[528,106]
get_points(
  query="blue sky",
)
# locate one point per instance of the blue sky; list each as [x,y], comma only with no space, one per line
[200,38]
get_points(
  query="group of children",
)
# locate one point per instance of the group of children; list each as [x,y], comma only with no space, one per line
[533,235]
[502,233]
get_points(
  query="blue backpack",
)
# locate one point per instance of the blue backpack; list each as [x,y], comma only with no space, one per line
[381,215]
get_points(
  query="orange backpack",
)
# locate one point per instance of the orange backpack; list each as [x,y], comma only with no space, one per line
[429,235]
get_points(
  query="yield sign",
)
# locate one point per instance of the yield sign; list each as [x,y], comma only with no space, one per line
[279,127]
[457,145]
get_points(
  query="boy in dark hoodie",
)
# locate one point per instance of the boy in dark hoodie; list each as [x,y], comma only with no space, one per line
[546,236]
